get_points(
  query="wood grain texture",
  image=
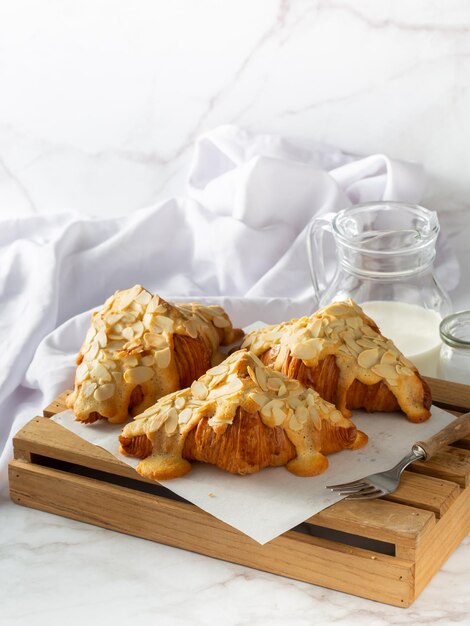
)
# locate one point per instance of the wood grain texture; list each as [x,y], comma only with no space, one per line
[424,520]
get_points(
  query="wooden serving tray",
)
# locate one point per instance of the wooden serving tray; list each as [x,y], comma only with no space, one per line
[385,550]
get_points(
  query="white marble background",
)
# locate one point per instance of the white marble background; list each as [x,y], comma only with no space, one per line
[100,102]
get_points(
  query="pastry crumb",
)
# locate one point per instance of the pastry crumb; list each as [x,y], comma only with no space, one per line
[211,495]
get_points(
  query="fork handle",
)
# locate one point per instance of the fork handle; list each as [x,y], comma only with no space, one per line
[458,429]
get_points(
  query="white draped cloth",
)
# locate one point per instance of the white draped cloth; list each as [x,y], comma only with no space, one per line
[237,238]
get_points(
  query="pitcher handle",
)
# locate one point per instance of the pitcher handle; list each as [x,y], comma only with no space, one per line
[315,233]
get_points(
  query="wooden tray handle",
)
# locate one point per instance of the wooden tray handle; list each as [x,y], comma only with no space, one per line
[458,429]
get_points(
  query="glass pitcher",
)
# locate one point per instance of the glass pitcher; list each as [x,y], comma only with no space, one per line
[384,261]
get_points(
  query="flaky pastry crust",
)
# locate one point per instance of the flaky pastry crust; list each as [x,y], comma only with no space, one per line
[140,348]
[240,416]
[339,352]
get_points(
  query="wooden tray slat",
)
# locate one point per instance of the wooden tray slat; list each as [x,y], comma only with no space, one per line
[385,549]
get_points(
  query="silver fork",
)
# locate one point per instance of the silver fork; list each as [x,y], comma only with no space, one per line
[383,483]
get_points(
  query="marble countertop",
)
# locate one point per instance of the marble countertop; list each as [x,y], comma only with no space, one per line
[54,571]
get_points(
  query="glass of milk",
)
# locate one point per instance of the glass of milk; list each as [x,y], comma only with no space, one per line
[384,254]
[454,361]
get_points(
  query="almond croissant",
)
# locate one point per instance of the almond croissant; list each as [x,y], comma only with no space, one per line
[340,353]
[140,348]
[240,416]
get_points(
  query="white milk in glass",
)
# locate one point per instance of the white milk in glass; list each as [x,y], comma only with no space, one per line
[413,329]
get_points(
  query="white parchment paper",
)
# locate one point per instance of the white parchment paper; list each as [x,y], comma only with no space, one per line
[266,504]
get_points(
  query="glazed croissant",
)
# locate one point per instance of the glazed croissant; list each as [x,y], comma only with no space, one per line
[140,348]
[340,353]
[240,416]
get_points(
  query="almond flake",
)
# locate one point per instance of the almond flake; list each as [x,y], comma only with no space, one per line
[153,304]
[368,358]
[278,415]
[308,350]
[301,414]
[385,371]
[180,402]
[191,328]
[294,424]
[366,343]
[403,369]
[199,390]
[274,383]
[251,374]
[128,333]
[259,398]
[82,372]
[104,392]
[88,388]
[388,358]
[138,328]
[315,328]
[138,375]
[165,323]
[148,360]
[261,377]
[130,361]
[163,358]
[152,340]
[113,318]
[218,369]
[282,390]
[90,335]
[92,351]
[185,416]
[221,322]
[171,422]
[100,373]
[144,297]
[335,417]
[316,419]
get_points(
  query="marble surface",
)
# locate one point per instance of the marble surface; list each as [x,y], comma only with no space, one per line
[102,99]
[56,571]
[100,104]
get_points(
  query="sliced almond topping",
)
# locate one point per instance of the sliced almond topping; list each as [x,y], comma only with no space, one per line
[117,377]
[138,375]
[274,383]
[221,322]
[251,374]
[294,424]
[406,371]
[185,416]
[104,392]
[171,422]
[180,402]
[316,419]
[143,297]
[294,402]
[113,318]
[388,358]
[308,350]
[165,323]
[315,328]
[368,358]
[152,340]
[126,298]
[153,304]
[366,343]
[301,414]
[163,358]
[128,317]
[91,332]
[282,390]
[130,361]
[92,351]
[385,371]
[100,373]
[199,390]
[261,377]
[191,328]
[128,333]
[354,322]
[138,328]
[88,388]
[259,398]
[218,369]
[335,417]
[368,331]
[82,372]
[278,415]
[148,360]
